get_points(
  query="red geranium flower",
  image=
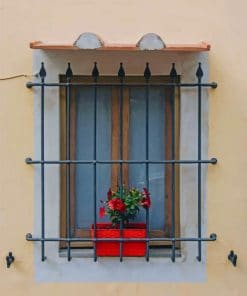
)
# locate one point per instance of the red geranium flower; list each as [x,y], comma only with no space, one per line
[146,200]
[116,204]
[101,212]
[145,192]
[109,194]
[124,204]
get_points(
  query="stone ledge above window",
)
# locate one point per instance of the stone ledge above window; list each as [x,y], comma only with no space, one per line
[149,41]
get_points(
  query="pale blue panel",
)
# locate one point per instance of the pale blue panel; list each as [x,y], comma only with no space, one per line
[137,149]
[84,150]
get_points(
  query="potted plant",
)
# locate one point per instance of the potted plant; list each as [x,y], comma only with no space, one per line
[122,206]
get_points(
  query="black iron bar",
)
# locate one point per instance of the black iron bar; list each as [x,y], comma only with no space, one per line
[42,74]
[173,75]
[121,75]
[211,238]
[147,75]
[199,74]
[171,161]
[95,74]
[69,75]
[56,84]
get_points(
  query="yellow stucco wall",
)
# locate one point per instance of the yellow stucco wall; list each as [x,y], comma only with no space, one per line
[221,23]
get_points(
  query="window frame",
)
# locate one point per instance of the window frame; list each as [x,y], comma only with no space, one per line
[115,153]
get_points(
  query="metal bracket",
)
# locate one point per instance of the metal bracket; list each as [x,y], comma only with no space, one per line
[233,258]
[10,259]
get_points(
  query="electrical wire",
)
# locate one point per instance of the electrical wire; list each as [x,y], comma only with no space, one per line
[17,76]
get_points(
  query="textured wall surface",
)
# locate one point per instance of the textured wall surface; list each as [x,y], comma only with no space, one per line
[222,24]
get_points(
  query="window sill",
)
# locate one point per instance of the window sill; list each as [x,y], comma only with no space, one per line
[110,269]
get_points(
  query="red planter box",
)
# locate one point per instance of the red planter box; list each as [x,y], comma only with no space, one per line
[134,230]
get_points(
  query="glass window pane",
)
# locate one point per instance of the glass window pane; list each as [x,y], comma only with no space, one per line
[137,149]
[84,150]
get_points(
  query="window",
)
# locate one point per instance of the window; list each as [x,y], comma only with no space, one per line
[108,148]
[47,164]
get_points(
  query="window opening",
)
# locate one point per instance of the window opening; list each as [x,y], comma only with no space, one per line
[107,147]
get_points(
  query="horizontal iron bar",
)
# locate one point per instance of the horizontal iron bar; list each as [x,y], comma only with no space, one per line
[31,84]
[172,161]
[212,237]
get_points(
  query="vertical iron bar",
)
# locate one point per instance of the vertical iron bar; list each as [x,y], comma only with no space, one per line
[199,74]
[121,75]
[69,75]
[173,75]
[95,74]
[147,75]
[42,74]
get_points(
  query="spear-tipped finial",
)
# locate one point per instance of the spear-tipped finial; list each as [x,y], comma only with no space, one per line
[173,72]
[147,72]
[121,72]
[42,72]
[199,72]
[69,73]
[95,72]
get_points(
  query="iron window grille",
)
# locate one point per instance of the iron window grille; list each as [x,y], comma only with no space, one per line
[43,239]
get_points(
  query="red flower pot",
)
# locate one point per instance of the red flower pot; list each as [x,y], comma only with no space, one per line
[134,230]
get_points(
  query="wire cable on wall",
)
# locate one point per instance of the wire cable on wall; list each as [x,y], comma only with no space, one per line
[17,76]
